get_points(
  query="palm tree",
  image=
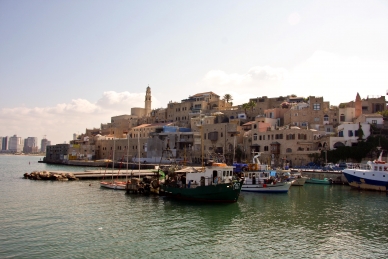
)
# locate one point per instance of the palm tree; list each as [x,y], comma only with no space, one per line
[251,105]
[228,97]
[245,106]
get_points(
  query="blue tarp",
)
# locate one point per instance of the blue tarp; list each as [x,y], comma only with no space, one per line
[184,130]
[169,129]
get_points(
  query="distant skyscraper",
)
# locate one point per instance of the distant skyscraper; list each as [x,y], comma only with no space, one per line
[15,144]
[30,145]
[44,144]
[4,143]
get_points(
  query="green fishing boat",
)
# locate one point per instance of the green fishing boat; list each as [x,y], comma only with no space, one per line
[319,181]
[215,183]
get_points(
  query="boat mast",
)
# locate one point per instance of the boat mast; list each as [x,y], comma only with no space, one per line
[201,121]
[138,148]
[126,177]
[113,160]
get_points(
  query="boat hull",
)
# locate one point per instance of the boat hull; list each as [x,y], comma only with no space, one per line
[299,181]
[114,186]
[220,193]
[360,181]
[281,187]
[318,181]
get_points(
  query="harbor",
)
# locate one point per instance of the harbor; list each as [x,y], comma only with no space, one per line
[94,222]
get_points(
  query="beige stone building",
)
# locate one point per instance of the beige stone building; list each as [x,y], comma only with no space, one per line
[369,105]
[293,145]
[316,114]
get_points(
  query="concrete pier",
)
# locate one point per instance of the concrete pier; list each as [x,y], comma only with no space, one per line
[101,174]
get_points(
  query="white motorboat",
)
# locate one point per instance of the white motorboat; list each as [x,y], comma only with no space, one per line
[370,176]
[258,179]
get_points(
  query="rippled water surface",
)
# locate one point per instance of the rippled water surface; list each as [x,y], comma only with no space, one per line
[44,219]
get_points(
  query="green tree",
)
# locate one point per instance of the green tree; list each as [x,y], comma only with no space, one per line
[245,106]
[228,97]
[251,105]
[384,113]
[360,132]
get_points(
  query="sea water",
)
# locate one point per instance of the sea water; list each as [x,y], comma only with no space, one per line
[78,219]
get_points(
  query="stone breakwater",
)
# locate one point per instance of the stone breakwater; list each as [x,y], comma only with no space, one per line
[44,175]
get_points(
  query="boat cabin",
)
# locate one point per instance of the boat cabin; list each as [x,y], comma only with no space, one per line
[214,174]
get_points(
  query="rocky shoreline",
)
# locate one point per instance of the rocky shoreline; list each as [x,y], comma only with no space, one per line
[44,175]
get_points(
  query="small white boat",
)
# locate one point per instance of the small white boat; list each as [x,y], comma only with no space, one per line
[114,185]
[258,179]
[370,176]
[298,179]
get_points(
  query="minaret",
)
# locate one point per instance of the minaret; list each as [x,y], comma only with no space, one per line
[358,106]
[148,102]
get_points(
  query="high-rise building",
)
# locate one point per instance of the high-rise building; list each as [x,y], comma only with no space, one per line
[43,144]
[15,144]
[4,143]
[30,145]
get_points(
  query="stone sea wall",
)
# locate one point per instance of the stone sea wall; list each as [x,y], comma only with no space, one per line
[44,175]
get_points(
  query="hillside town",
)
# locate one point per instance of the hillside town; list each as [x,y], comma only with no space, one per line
[285,129]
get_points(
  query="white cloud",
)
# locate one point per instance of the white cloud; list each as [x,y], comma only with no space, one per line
[59,122]
[257,81]
[336,78]
[294,18]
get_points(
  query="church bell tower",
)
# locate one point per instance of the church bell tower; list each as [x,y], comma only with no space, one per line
[147,102]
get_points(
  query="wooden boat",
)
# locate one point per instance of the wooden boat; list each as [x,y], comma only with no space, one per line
[319,181]
[258,179]
[213,183]
[114,185]
[298,179]
[370,176]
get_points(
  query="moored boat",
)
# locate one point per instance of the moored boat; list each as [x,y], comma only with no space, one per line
[215,183]
[370,176]
[113,185]
[326,181]
[258,178]
[298,179]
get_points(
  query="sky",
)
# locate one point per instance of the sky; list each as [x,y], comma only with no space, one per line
[70,65]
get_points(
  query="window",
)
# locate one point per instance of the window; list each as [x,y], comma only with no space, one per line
[342,117]
[265,148]
[317,106]
[255,136]
[288,150]
[350,133]
[326,118]
[316,119]
[374,121]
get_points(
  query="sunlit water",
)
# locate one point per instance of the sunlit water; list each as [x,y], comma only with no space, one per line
[44,219]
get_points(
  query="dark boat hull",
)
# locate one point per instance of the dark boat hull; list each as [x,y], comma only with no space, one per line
[219,193]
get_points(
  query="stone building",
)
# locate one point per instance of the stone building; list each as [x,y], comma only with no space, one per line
[292,145]
[369,105]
